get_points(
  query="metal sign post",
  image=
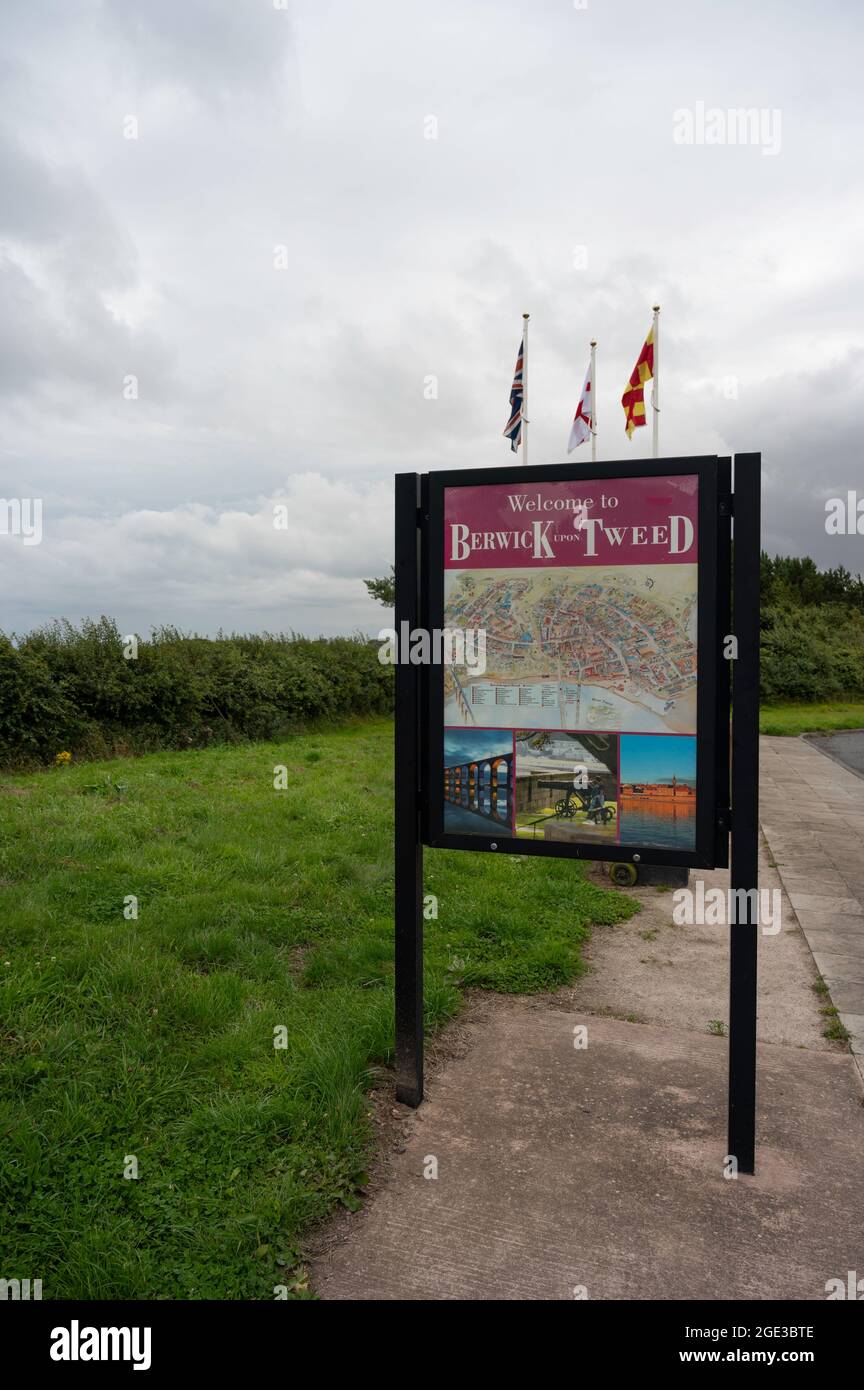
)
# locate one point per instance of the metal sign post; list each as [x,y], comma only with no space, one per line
[745,812]
[408,845]
[470,802]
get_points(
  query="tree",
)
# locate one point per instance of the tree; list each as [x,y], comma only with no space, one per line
[383,590]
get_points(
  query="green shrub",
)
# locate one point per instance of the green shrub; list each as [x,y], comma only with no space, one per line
[812,653]
[67,688]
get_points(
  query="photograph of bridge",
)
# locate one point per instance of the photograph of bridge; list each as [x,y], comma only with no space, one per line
[478,781]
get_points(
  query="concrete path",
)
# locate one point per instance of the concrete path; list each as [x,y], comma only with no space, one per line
[565,1172]
[649,970]
[812,814]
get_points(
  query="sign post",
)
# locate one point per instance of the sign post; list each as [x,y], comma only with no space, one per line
[744,876]
[592,719]
[408,845]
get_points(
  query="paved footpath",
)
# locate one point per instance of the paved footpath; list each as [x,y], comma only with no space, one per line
[812,814]
[598,1172]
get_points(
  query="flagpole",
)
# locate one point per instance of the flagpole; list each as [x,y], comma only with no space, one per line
[525,390]
[593,400]
[655,389]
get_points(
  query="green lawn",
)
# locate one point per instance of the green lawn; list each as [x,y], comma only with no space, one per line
[152,1038]
[810,719]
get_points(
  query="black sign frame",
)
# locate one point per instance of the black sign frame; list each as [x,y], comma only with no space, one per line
[712,738]
[735,592]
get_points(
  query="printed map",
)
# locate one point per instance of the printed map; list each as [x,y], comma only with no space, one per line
[578,648]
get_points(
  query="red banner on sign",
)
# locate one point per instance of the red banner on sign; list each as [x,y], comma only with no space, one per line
[619,521]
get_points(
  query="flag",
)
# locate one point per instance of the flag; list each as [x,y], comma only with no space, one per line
[513,428]
[633,399]
[583,420]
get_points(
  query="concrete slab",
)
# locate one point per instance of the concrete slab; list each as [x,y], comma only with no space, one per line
[855,1025]
[842,969]
[813,922]
[848,998]
[794,861]
[846,907]
[820,861]
[562,1169]
[829,944]
[805,883]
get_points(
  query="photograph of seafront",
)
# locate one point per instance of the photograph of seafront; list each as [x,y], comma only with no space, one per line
[657,791]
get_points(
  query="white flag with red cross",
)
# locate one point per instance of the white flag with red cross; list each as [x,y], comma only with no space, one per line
[583,420]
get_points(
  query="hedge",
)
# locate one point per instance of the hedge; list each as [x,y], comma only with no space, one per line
[72,689]
[812,652]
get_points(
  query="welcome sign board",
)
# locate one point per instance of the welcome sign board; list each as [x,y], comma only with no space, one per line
[582,706]
[579,712]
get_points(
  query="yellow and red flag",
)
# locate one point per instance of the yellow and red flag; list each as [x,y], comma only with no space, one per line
[633,399]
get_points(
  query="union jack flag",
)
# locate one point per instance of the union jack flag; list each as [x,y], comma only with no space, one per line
[513,428]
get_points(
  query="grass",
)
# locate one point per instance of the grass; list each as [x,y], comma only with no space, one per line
[835,1029]
[149,1039]
[795,719]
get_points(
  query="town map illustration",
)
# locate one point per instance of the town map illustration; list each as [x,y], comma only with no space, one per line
[576,648]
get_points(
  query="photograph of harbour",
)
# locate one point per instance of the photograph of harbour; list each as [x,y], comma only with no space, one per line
[657,792]
[478,782]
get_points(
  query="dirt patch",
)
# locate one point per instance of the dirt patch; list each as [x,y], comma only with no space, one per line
[297,958]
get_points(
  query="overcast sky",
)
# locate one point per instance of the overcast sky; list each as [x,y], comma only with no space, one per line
[282,257]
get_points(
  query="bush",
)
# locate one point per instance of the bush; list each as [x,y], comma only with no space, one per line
[64,688]
[67,688]
[812,653]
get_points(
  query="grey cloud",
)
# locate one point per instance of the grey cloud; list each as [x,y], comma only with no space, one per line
[408,258]
[212,565]
[61,255]
[211,47]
